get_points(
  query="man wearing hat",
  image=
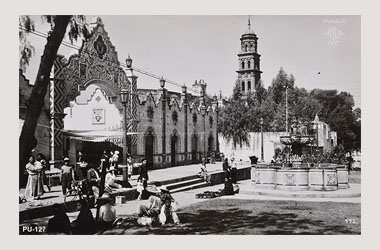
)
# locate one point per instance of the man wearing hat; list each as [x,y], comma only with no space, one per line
[107,213]
[66,175]
[153,208]
[110,181]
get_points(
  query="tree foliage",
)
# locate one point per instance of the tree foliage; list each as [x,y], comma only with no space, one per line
[336,109]
[59,25]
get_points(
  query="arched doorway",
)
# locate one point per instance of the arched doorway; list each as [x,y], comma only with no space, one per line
[194,147]
[149,148]
[173,147]
[95,64]
[210,147]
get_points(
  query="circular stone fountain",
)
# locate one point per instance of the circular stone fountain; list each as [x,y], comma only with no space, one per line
[294,175]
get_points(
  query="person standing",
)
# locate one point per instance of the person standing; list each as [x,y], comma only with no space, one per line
[66,175]
[115,160]
[33,186]
[93,179]
[233,169]
[225,164]
[105,160]
[129,167]
[82,163]
[144,173]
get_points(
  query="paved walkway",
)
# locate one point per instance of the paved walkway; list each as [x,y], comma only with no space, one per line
[56,195]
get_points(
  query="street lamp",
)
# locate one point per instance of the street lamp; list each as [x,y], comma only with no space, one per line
[203,113]
[129,62]
[124,96]
[286,108]
[316,127]
[262,139]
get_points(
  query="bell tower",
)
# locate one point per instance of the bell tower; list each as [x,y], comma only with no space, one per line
[249,73]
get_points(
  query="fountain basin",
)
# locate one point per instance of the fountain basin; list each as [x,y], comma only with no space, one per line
[328,178]
[292,179]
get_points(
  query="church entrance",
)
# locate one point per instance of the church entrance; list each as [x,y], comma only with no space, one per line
[194,147]
[173,146]
[210,147]
[149,142]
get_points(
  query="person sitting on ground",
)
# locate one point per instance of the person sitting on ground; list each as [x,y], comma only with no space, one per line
[228,187]
[168,214]
[110,182]
[152,209]
[85,223]
[107,213]
[60,223]
[166,193]
[203,172]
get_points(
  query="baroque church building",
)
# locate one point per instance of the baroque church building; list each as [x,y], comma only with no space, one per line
[94,101]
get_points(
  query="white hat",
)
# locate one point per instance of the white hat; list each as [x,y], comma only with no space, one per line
[163,187]
[116,152]
[111,169]
[66,159]
[153,189]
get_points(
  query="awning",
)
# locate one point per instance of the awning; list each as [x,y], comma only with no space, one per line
[97,135]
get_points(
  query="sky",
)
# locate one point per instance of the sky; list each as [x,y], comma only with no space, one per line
[188,48]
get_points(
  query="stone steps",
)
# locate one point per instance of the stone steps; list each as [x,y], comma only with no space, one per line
[190,187]
[185,183]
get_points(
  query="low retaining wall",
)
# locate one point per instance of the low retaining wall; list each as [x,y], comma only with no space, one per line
[328,178]
[241,174]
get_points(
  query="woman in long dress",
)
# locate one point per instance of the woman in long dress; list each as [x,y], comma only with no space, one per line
[34,185]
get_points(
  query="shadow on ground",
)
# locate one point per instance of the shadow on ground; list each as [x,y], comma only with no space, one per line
[235,220]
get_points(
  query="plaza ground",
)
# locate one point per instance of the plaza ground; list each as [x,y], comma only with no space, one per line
[247,212]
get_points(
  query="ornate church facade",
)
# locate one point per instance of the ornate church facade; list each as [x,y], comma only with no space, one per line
[167,128]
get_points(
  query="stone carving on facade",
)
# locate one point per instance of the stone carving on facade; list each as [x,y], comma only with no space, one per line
[175,117]
[97,60]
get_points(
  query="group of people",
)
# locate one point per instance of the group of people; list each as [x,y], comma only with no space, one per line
[160,209]
[35,168]
[85,223]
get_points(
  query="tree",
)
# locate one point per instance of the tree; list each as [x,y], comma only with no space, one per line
[234,119]
[59,25]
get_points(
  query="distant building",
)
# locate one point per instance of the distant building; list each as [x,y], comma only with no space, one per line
[249,73]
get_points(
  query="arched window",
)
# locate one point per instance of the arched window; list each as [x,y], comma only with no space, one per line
[249,64]
[249,86]
[242,86]
[242,65]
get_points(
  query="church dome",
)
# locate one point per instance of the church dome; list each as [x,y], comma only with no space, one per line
[249,31]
